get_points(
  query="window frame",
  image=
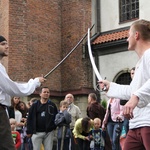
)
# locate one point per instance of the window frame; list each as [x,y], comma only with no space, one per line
[126,15]
[121,75]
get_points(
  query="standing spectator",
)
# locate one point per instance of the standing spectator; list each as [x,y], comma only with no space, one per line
[9,88]
[113,118]
[22,107]
[15,134]
[81,131]
[63,120]
[41,121]
[126,121]
[75,114]
[30,145]
[125,127]
[95,110]
[97,136]
[31,101]
[18,116]
[29,140]
[132,71]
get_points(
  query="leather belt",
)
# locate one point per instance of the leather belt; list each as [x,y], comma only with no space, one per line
[3,106]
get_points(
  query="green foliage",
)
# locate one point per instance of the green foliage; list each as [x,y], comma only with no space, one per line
[104,103]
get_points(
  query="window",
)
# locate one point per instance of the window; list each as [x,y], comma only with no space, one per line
[129,10]
[124,79]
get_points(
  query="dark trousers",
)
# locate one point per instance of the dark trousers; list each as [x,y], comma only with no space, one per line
[65,145]
[83,144]
[138,139]
[73,144]
[108,145]
[6,140]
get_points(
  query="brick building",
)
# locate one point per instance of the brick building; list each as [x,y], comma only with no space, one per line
[40,34]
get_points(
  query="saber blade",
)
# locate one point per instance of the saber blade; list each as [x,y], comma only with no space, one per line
[91,58]
[45,76]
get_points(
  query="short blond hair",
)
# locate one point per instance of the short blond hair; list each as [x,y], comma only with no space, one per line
[97,120]
[12,120]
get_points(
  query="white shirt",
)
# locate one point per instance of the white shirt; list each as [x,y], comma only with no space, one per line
[10,88]
[139,86]
[18,117]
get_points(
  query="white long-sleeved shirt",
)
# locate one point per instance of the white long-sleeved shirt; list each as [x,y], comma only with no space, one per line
[9,88]
[139,86]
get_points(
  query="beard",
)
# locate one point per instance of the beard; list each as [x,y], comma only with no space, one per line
[3,54]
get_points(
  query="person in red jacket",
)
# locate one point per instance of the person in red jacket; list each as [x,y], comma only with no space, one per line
[15,134]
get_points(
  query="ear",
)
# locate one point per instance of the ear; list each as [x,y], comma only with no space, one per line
[137,35]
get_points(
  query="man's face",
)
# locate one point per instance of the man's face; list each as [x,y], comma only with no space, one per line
[69,98]
[131,39]
[45,93]
[89,99]
[3,48]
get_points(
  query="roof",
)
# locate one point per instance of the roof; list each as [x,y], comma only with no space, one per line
[109,37]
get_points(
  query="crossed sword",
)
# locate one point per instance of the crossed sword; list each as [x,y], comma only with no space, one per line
[90,54]
[93,65]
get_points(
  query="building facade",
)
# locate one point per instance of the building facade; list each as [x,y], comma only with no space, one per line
[109,45]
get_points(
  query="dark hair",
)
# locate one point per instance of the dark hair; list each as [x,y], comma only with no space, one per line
[85,124]
[2,38]
[33,100]
[12,101]
[133,68]
[93,96]
[45,87]
[25,111]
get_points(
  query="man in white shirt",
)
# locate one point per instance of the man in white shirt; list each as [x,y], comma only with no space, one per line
[9,88]
[137,109]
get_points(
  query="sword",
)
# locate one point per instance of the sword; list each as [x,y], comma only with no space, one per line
[91,58]
[45,76]
[99,77]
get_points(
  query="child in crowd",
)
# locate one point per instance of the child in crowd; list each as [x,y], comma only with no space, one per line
[63,120]
[97,136]
[15,134]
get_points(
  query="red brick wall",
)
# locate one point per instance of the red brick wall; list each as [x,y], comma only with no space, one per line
[41,33]
[35,40]
[76,19]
